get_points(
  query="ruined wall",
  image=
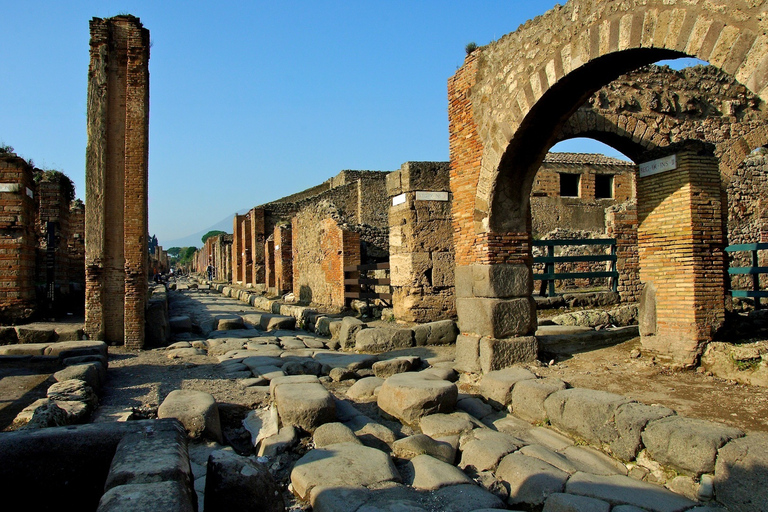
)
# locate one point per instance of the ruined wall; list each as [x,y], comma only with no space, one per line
[321,250]
[116,181]
[257,236]
[421,248]
[76,252]
[17,239]
[621,224]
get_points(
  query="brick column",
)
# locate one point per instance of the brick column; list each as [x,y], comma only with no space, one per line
[269,264]
[494,283]
[116,181]
[237,249]
[283,260]
[621,224]
[680,246]
[245,256]
[257,245]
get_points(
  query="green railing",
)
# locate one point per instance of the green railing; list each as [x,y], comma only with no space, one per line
[549,276]
[755,270]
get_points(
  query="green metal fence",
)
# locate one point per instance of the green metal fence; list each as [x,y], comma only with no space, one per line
[549,276]
[754,270]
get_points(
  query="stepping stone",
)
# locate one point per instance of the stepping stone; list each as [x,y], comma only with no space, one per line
[229,323]
[439,425]
[409,396]
[365,389]
[421,444]
[341,465]
[625,490]
[390,367]
[383,339]
[530,480]
[304,405]
[196,410]
[496,386]
[429,474]
[333,433]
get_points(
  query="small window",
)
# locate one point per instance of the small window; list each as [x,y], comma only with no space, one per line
[569,185]
[603,186]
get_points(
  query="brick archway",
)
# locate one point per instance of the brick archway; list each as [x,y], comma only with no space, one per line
[511,98]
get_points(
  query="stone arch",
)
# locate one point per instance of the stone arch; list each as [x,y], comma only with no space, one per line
[510,99]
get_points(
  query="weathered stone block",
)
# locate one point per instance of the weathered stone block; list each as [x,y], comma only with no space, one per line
[467,353]
[409,268]
[442,332]
[497,318]
[409,396]
[631,419]
[382,339]
[741,473]
[348,330]
[233,482]
[496,354]
[196,410]
[496,386]
[686,443]
[528,397]
[502,281]
[304,405]
[586,413]
[530,480]
[443,269]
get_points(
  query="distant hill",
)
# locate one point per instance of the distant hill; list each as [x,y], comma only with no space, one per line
[194,240]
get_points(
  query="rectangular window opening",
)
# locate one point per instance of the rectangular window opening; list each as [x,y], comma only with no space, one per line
[569,184]
[603,186]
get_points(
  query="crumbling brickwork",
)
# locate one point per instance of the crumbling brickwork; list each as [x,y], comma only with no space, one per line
[17,239]
[76,252]
[621,224]
[283,240]
[116,181]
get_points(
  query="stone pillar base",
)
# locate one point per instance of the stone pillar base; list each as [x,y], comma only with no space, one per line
[485,354]
[497,318]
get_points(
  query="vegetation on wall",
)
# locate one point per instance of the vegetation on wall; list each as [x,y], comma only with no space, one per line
[212,233]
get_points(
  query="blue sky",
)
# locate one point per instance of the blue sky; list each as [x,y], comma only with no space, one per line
[250,101]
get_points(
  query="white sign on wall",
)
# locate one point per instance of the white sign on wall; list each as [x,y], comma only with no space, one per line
[431,196]
[668,163]
[30,193]
[398,200]
[9,187]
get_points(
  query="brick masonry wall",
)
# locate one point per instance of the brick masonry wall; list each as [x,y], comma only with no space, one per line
[76,252]
[17,240]
[246,260]
[321,249]
[53,201]
[257,235]
[269,262]
[621,224]
[681,241]
[116,181]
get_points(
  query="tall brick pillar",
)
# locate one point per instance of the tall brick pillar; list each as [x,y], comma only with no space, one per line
[681,251]
[494,283]
[283,259]
[257,245]
[246,263]
[237,249]
[269,264]
[116,181]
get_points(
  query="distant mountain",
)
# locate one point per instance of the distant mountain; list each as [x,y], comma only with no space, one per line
[194,240]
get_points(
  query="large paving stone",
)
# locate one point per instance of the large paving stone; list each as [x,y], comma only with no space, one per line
[409,396]
[528,397]
[496,386]
[462,498]
[440,424]
[687,443]
[371,433]
[496,353]
[383,339]
[93,374]
[442,332]
[422,444]
[342,465]
[365,389]
[233,483]
[530,480]
[229,323]
[333,433]
[631,419]
[428,474]
[741,473]
[390,367]
[625,490]
[196,410]
[486,449]
[350,361]
[561,502]
[304,405]
[586,413]
[73,390]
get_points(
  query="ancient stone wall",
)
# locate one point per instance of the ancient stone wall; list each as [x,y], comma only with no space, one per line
[116,181]
[17,239]
[621,224]
[76,252]
[321,250]
[421,250]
